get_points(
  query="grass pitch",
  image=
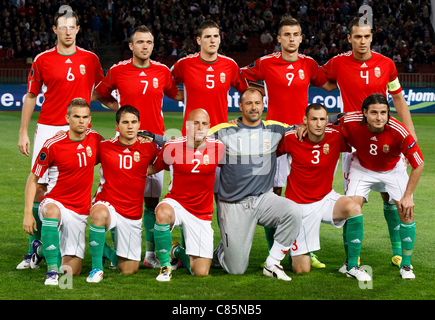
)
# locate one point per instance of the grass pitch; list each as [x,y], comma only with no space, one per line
[319,284]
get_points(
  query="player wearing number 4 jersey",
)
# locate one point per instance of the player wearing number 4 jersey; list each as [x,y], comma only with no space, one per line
[69,160]
[119,199]
[310,186]
[379,142]
[62,73]
[193,160]
[359,73]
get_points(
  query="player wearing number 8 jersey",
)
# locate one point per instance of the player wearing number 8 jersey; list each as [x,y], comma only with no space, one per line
[207,76]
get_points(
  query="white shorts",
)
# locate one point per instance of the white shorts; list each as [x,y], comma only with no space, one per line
[128,234]
[72,230]
[43,133]
[154,185]
[283,163]
[313,214]
[361,180]
[198,233]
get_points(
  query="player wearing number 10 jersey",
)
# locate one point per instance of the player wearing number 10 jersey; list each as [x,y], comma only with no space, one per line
[207,76]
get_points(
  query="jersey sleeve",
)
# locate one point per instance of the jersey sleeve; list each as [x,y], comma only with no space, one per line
[328,71]
[318,78]
[176,72]
[159,162]
[105,86]
[170,89]
[99,74]
[238,82]
[411,151]
[393,86]
[252,72]
[42,162]
[35,79]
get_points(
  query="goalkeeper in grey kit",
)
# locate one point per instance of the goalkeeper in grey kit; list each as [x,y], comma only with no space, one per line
[245,193]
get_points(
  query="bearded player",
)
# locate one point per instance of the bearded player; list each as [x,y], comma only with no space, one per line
[359,73]
[193,160]
[124,162]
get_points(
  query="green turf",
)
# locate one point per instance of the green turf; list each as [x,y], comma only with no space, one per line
[319,284]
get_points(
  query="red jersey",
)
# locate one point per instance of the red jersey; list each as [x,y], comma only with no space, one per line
[313,165]
[380,151]
[70,166]
[206,85]
[123,175]
[286,84]
[193,173]
[358,79]
[63,78]
[142,88]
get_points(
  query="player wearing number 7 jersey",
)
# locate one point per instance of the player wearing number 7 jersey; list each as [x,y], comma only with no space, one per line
[61,73]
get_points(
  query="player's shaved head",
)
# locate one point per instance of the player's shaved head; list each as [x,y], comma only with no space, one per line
[194,114]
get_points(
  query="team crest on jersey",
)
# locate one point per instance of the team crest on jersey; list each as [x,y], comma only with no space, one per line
[82,69]
[223,77]
[136,156]
[206,159]
[326,148]
[377,72]
[155,83]
[386,148]
[89,151]
[301,74]
[266,144]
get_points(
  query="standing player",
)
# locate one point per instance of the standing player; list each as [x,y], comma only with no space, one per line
[207,76]
[62,73]
[310,185]
[359,73]
[193,160]
[287,74]
[142,82]
[245,193]
[379,142]
[124,162]
[69,161]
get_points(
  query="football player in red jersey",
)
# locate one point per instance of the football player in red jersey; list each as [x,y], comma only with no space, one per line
[69,161]
[310,185]
[75,74]
[380,141]
[193,160]
[359,73]
[124,162]
[142,82]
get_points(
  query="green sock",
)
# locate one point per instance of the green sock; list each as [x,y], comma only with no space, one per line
[270,233]
[393,221]
[97,239]
[110,254]
[345,239]
[50,240]
[149,218]
[407,234]
[163,241]
[354,236]
[180,253]
[36,234]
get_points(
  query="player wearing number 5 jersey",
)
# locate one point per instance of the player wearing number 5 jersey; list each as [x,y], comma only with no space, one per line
[207,76]
[193,160]
[69,160]
[379,142]
[61,74]
[118,201]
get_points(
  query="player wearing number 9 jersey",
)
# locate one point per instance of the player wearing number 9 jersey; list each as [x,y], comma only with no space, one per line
[207,76]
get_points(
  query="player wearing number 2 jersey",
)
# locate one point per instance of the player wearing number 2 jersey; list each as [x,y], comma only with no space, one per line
[62,74]
[359,73]
[207,76]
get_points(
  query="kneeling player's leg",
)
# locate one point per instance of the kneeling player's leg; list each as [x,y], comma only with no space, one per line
[165,218]
[100,220]
[407,236]
[301,263]
[354,231]
[50,234]
[73,263]
[200,266]
[127,266]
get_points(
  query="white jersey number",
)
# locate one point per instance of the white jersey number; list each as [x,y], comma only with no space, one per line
[125,161]
[70,75]
[210,81]
[365,75]
[316,156]
[197,163]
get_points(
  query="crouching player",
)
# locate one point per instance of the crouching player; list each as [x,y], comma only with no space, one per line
[310,185]
[193,160]
[379,142]
[118,201]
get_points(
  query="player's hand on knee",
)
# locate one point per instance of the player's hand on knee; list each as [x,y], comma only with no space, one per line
[29,224]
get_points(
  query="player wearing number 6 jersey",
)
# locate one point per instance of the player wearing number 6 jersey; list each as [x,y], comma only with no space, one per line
[379,142]
[193,160]
[118,201]
[207,76]
[310,185]
[359,73]
[61,73]
[69,160]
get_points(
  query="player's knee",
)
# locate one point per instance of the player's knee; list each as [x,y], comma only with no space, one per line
[301,264]
[99,215]
[298,269]
[164,214]
[353,209]
[51,211]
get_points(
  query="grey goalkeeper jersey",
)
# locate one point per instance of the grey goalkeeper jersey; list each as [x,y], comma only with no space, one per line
[250,157]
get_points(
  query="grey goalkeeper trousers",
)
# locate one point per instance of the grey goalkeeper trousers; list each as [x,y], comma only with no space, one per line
[238,220]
